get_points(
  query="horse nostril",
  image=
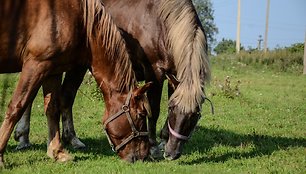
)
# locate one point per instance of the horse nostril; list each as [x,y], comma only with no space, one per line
[166,155]
[169,156]
[177,155]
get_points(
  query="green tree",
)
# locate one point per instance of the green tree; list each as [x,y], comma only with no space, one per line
[227,46]
[205,12]
[295,48]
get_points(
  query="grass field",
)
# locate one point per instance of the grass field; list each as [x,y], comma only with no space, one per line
[259,126]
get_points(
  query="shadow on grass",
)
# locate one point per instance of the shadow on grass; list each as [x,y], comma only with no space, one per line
[202,141]
[95,149]
[94,146]
[205,139]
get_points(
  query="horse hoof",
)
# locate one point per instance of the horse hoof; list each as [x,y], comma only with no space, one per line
[59,155]
[155,153]
[77,144]
[64,157]
[23,146]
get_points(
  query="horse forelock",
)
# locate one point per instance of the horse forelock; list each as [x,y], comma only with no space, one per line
[188,46]
[101,30]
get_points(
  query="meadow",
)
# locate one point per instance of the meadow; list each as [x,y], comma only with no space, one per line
[259,126]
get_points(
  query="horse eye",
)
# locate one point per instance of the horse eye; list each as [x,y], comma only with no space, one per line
[141,115]
[137,97]
[170,108]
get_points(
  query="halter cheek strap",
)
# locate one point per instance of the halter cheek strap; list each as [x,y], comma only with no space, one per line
[125,109]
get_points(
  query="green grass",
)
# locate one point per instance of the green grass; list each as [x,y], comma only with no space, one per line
[282,60]
[261,130]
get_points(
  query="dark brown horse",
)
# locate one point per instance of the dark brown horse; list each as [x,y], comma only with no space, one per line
[171,41]
[42,39]
[168,41]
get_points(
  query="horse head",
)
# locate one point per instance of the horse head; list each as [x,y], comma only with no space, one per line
[126,129]
[188,47]
[179,125]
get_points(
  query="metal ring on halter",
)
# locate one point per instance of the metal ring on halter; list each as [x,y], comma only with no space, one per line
[135,133]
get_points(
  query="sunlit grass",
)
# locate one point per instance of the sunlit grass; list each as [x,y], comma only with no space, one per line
[261,130]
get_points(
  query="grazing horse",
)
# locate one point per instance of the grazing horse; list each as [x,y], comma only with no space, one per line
[168,42]
[45,38]
[172,42]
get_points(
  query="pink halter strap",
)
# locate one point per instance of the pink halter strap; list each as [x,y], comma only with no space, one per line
[177,135]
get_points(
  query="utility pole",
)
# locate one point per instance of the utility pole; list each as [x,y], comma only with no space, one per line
[267,26]
[238,29]
[304,71]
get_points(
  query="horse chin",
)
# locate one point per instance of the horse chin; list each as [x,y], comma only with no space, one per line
[171,156]
[131,158]
[131,155]
[172,151]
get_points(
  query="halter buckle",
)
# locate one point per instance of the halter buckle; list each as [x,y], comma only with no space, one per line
[125,108]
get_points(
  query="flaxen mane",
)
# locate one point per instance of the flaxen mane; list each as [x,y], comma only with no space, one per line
[187,42]
[102,30]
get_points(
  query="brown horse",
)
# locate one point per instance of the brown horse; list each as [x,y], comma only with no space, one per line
[42,39]
[167,41]
[171,41]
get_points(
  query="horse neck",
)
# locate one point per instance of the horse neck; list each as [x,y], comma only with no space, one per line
[110,76]
[111,64]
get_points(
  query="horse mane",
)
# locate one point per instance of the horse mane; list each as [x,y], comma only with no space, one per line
[101,30]
[187,43]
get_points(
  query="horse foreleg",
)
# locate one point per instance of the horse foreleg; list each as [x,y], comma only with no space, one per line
[164,133]
[71,84]
[154,96]
[26,90]
[23,129]
[51,90]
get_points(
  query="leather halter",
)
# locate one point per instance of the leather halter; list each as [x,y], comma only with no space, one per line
[125,109]
[184,137]
[177,135]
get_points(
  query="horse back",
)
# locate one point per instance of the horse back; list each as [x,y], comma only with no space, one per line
[32,29]
[143,31]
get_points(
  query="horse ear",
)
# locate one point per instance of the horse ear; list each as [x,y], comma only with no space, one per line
[140,91]
[172,80]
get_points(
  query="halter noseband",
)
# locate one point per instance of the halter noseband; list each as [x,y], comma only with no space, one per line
[184,137]
[177,135]
[125,109]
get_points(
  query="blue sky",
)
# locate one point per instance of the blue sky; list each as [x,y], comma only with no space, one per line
[287,21]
